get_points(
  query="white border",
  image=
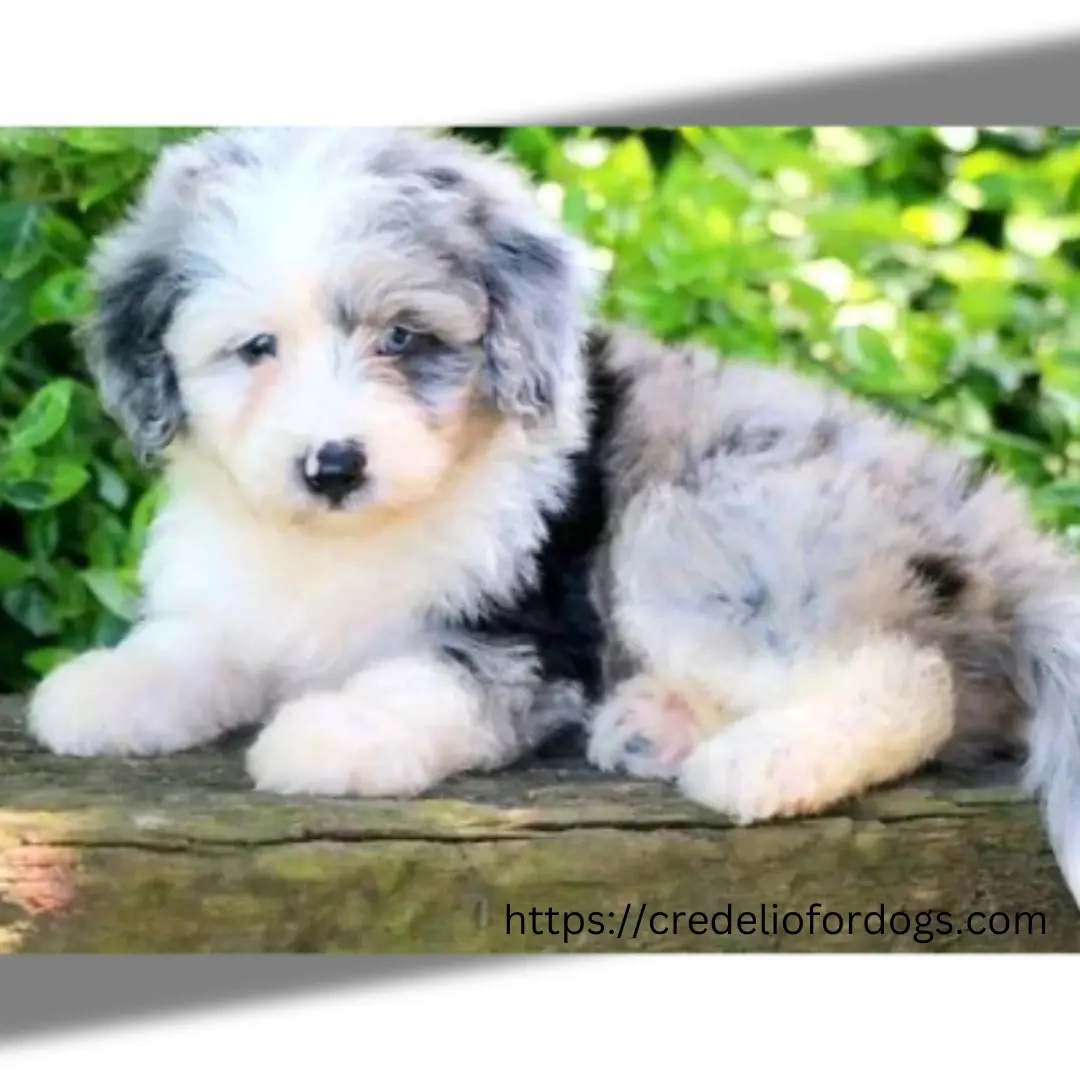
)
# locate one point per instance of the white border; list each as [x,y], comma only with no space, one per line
[225,63]
[738,1017]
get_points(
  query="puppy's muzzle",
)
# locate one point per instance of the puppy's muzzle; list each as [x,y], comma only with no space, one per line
[335,470]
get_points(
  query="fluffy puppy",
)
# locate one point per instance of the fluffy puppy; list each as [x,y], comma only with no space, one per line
[358,354]
[418,519]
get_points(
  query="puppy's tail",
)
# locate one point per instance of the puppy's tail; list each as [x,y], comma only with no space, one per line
[1049,679]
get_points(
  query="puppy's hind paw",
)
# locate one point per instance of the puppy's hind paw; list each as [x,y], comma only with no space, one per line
[644,730]
[758,771]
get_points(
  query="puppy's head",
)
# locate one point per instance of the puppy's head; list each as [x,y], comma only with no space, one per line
[336,317]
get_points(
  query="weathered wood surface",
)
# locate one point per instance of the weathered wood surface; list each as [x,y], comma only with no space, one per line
[178,855]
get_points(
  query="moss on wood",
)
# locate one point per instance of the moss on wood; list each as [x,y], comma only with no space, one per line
[178,855]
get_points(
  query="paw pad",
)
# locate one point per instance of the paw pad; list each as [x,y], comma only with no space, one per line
[643,730]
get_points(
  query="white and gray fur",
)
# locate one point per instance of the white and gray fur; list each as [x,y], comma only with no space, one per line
[738,579]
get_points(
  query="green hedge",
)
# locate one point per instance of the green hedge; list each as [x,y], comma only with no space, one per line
[934,270]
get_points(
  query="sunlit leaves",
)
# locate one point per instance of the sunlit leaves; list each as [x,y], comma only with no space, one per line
[67,481]
[932,269]
[41,418]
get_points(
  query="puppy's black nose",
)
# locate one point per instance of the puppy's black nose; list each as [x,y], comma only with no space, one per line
[335,470]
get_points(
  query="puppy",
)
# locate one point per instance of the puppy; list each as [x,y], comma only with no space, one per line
[358,354]
[421,515]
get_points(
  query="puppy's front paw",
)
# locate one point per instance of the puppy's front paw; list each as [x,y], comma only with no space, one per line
[106,702]
[324,745]
[644,730]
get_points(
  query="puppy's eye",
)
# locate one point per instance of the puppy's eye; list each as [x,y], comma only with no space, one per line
[397,340]
[258,348]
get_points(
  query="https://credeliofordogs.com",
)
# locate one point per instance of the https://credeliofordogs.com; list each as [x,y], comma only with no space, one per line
[635,921]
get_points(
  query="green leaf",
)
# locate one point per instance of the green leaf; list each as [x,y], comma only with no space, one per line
[142,517]
[111,486]
[15,321]
[106,541]
[30,606]
[13,570]
[21,242]
[115,590]
[869,350]
[42,417]
[100,141]
[16,464]
[42,661]
[110,181]
[63,297]
[1061,491]
[65,239]
[42,536]
[51,486]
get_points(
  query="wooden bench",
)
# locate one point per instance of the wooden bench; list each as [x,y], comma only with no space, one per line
[178,855]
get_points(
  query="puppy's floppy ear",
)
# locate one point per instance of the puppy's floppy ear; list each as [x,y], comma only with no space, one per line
[539,288]
[137,285]
[125,349]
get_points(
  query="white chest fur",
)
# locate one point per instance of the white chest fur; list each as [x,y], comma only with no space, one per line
[312,606]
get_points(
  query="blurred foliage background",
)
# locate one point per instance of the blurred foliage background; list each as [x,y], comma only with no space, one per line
[934,270]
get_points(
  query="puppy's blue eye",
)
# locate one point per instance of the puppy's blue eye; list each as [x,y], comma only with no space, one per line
[396,340]
[258,348]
